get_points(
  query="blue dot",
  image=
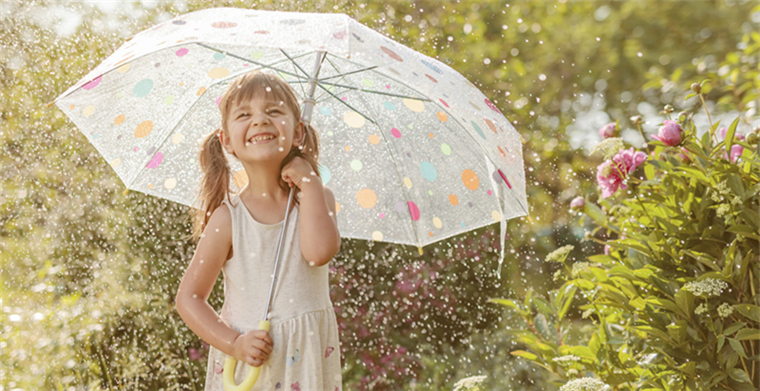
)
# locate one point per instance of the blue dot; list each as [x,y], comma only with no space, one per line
[390,106]
[324,172]
[478,129]
[428,171]
[326,111]
[142,87]
[461,223]
[219,56]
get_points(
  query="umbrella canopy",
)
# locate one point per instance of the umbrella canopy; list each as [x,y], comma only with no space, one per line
[413,152]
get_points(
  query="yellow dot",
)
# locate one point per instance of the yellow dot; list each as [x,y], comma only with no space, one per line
[414,105]
[115,162]
[366,198]
[437,222]
[442,116]
[337,207]
[496,215]
[377,236]
[240,179]
[144,129]
[170,183]
[72,107]
[408,182]
[177,138]
[354,119]
[470,180]
[123,68]
[218,73]
[119,119]
[374,139]
[454,200]
[88,110]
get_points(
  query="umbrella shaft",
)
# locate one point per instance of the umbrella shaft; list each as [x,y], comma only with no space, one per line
[279,252]
[308,104]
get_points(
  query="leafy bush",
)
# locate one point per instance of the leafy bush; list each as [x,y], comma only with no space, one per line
[673,302]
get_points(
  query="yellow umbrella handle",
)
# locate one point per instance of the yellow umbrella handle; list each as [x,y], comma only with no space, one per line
[253,372]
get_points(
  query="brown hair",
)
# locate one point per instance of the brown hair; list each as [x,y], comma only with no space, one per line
[215,183]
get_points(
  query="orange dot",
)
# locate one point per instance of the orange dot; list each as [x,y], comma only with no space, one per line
[337,207]
[72,107]
[501,151]
[150,185]
[454,200]
[470,180]
[430,135]
[366,198]
[348,148]
[201,91]
[240,179]
[374,139]
[182,83]
[119,119]
[430,233]
[442,116]
[490,125]
[144,129]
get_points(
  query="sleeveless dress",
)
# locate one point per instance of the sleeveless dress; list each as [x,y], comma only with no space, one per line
[304,329]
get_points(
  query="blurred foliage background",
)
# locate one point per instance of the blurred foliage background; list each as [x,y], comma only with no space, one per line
[88,274]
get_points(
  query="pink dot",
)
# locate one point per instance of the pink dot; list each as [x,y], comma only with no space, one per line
[135,149]
[414,211]
[388,86]
[245,65]
[218,100]
[444,103]
[92,84]
[489,192]
[181,52]
[382,215]
[344,98]
[157,159]
[396,133]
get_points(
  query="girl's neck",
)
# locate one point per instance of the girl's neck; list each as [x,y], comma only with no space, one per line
[264,182]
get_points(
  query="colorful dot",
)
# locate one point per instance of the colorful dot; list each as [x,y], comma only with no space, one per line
[218,73]
[354,119]
[366,198]
[119,119]
[169,100]
[142,87]
[326,111]
[391,53]
[223,25]
[407,182]
[177,138]
[396,133]
[181,52]
[368,83]
[442,116]
[219,56]
[356,165]
[446,149]
[414,211]
[88,111]
[240,179]
[415,105]
[381,215]
[92,84]
[115,162]
[144,129]
[453,199]
[430,135]
[437,222]
[390,106]
[496,215]
[201,91]
[377,236]
[123,69]
[478,129]
[444,103]
[324,173]
[428,171]
[374,139]
[470,180]
[170,183]
[490,125]
[155,161]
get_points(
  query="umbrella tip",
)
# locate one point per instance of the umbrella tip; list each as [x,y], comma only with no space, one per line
[419,248]
[125,192]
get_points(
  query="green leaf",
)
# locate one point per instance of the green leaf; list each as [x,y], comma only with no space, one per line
[689,96]
[685,301]
[745,334]
[525,355]
[737,346]
[649,171]
[733,328]
[582,352]
[595,213]
[507,303]
[704,258]
[567,300]
[739,375]
[730,134]
[751,311]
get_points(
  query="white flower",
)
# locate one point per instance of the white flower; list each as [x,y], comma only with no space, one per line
[701,309]
[736,201]
[566,359]
[572,372]
[587,313]
[583,384]
[723,209]
[580,267]
[559,254]
[725,310]
[708,286]
[471,383]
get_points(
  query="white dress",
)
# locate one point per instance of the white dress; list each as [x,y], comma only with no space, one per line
[304,330]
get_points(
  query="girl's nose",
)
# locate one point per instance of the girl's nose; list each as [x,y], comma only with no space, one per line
[260,119]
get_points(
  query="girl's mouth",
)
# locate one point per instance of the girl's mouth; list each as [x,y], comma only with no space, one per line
[261,139]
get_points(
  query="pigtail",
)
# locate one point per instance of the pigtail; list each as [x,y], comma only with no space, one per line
[215,183]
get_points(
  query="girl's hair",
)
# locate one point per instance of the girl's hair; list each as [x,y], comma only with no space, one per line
[215,183]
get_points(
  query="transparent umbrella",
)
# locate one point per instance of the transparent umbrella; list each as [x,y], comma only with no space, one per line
[413,151]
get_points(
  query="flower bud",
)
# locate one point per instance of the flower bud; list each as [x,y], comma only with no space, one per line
[670,133]
[753,138]
[636,119]
[577,203]
[682,116]
[608,130]
[696,87]
[669,108]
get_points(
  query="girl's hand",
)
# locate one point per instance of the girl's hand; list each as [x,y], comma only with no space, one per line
[298,171]
[253,347]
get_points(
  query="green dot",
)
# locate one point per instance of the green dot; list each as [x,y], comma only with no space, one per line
[368,82]
[410,126]
[430,192]
[169,99]
[446,149]
[191,160]
[330,133]
[257,55]
[356,165]
[119,95]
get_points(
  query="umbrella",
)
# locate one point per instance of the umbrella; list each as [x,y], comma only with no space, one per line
[413,151]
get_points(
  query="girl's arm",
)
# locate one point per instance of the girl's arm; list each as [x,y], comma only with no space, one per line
[319,237]
[199,280]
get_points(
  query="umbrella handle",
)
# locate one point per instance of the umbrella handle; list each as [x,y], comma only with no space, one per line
[253,372]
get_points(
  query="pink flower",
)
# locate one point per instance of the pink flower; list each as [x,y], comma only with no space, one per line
[736,151]
[607,249]
[611,174]
[670,133]
[577,203]
[194,354]
[722,135]
[608,130]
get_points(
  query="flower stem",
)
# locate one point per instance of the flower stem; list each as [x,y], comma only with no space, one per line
[641,132]
[712,131]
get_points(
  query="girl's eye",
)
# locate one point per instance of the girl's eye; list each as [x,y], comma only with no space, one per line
[242,114]
[277,111]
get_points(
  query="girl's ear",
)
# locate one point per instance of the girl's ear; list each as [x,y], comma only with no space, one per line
[225,141]
[299,134]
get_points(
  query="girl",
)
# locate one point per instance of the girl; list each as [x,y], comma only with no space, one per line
[239,235]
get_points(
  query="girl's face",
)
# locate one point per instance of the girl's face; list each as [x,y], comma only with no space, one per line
[262,130]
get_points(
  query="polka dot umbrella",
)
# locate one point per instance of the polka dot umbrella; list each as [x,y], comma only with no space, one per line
[413,152]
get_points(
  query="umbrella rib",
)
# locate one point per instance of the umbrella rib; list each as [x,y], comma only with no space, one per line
[251,61]
[346,104]
[349,73]
[368,91]
[292,60]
